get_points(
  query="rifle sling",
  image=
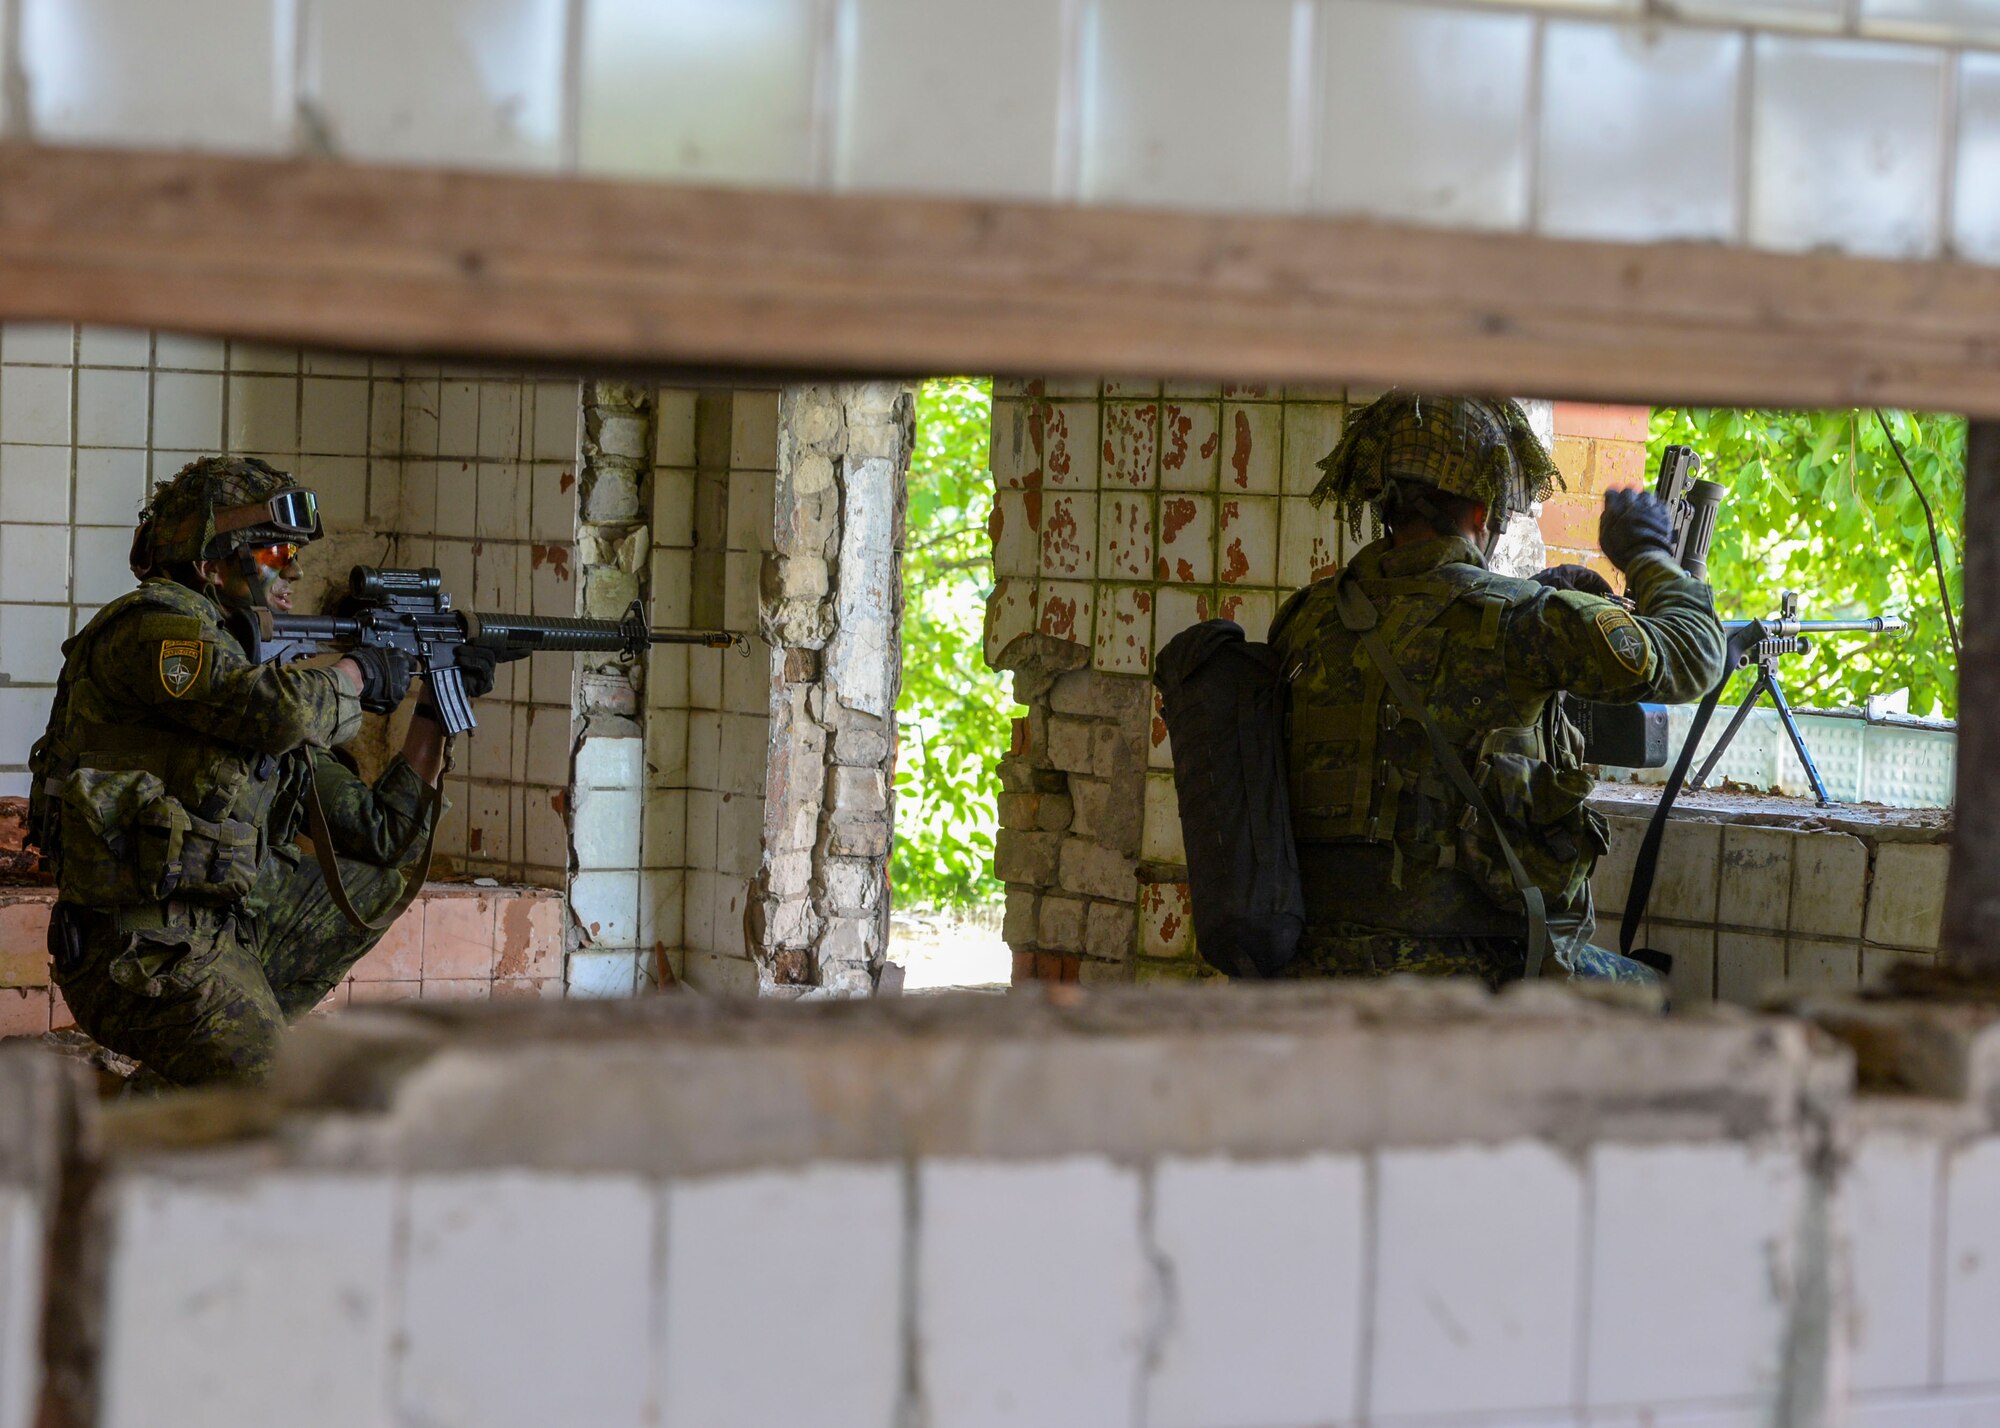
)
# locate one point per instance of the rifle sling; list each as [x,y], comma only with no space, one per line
[1358,614]
[329,865]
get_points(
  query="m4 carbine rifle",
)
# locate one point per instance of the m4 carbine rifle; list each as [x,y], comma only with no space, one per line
[409,610]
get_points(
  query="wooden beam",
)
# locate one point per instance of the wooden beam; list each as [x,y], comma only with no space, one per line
[583,271]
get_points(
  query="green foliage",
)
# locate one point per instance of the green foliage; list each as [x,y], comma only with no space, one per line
[954,713]
[1819,504]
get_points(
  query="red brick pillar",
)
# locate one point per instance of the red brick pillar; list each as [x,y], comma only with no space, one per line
[1596,448]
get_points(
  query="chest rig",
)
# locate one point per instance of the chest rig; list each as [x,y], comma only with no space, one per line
[1362,768]
[130,809]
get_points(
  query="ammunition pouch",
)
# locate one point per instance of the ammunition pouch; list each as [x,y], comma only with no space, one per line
[126,840]
[1544,810]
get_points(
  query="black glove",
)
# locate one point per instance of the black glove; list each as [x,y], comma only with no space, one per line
[1633,522]
[385,677]
[1573,577]
[476,667]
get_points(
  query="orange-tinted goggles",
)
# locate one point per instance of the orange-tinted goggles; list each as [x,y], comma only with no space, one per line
[276,557]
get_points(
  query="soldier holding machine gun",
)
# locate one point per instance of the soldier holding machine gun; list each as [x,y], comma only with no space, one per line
[186,752]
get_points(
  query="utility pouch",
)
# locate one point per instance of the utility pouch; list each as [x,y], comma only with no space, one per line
[1554,832]
[126,840]
[154,961]
[217,861]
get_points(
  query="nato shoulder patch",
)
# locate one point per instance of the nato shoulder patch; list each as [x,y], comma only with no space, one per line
[180,665]
[1620,633]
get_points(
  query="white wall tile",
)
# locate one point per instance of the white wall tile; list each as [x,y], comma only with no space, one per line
[916,115]
[1424,113]
[689,89]
[24,712]
[1889,1208]
[1692,1251]
[34,563]
[212,74]
[225,1299]
[467,83]
[527,1300]
[1845,148]
[821,1249]
[1976,20]
[263,414]
[1943,1410]
[1188,103]
[110,407]
[111,485]
[1972,1264]
[602,972]
[1976,176]
[34,484]
[114,347]
[21,1254]
[1638,131]
[1468,1316]
[35,406]
[31,639]
[197,354]
[1029,1319]
[187,411]
[37,342]
[606,904]
[333,417]
[102,570]
[263,357]
[1906,895]
[1279,1245]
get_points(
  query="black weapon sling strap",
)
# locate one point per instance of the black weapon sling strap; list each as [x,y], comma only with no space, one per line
[1648,861]
[1360,617]
[329,865]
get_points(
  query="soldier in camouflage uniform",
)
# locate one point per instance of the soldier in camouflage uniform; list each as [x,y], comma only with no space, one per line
[174,778]
[1401,872]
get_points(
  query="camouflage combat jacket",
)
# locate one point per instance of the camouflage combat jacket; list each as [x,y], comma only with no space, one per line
[1488,652]
[174,770]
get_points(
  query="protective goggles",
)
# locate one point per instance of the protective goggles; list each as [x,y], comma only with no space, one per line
[275,557]
[294,511]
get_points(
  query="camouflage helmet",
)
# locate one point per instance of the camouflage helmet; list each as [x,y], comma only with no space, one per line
[1478,448]
[218,504]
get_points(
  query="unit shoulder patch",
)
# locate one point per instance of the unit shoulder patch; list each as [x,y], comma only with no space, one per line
[180,665]
[1621,635]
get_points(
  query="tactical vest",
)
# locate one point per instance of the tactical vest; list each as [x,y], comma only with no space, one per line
[1362,771]
[131,810]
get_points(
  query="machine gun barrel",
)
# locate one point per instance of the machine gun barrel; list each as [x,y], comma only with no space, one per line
[1865,625]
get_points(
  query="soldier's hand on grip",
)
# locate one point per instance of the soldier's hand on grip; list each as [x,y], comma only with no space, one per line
[1573,577]
[1634,521]
[385,677]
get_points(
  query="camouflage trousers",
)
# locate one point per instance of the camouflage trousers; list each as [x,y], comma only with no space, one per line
[1369,952]
[202,996]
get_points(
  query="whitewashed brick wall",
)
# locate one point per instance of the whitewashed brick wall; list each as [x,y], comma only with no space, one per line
[1399,1207]
[1863,125]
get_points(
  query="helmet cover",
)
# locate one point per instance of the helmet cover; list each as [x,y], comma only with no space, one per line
[1478,448]
[189,517]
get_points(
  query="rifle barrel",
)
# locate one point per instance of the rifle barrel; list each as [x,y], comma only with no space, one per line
[1867,625]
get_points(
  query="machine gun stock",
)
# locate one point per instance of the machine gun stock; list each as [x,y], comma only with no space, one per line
[410,611]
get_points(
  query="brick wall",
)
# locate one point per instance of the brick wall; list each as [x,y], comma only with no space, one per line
[1596,448]
[530,1216]
[1126,511]
[1745,899]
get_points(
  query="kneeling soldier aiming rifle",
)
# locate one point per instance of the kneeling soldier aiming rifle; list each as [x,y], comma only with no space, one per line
[186,752]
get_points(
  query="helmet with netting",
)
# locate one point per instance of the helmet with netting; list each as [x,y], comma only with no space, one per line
[1477,448]
[218,504]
